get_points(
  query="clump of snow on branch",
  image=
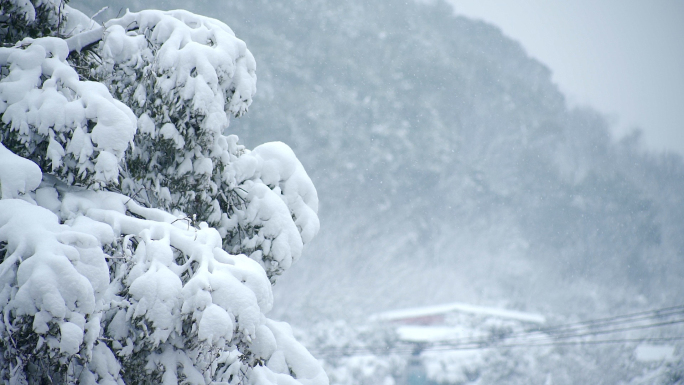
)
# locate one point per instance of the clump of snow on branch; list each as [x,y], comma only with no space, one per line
[18,176]
[70,127]
[197,61]
[275,189]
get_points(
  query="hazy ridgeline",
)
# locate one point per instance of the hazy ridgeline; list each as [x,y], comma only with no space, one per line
[449,166]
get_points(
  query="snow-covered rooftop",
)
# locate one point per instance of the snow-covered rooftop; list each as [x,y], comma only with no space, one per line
[435,333]
[396,315]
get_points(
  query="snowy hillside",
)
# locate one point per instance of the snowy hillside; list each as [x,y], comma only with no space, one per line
[450,168]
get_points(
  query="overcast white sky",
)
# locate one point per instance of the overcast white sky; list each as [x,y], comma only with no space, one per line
[624,58]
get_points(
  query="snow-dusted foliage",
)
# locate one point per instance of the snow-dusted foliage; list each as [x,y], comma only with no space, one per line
[39,18]
[183,76]
[72,128]
[138,243]
[358,353]
[22,18]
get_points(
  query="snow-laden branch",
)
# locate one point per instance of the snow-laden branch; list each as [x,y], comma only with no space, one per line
[82,128]
[84,39]
[171,277]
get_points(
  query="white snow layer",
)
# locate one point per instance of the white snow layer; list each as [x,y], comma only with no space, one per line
[650,353]
[18,176]
[278,190]
[76,22]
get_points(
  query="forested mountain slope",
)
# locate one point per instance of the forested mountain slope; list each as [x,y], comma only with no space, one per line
[450,167]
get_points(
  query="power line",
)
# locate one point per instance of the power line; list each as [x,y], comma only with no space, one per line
[548,337]
[412,350]
[663,312]
[635,327]
[602,322]
[552,336]
[556,343]
[577,331]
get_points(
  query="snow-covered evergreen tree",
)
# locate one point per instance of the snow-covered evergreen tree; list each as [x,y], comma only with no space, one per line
[138,242]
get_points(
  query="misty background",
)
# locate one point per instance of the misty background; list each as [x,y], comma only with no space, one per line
[622,58]
[450,166]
